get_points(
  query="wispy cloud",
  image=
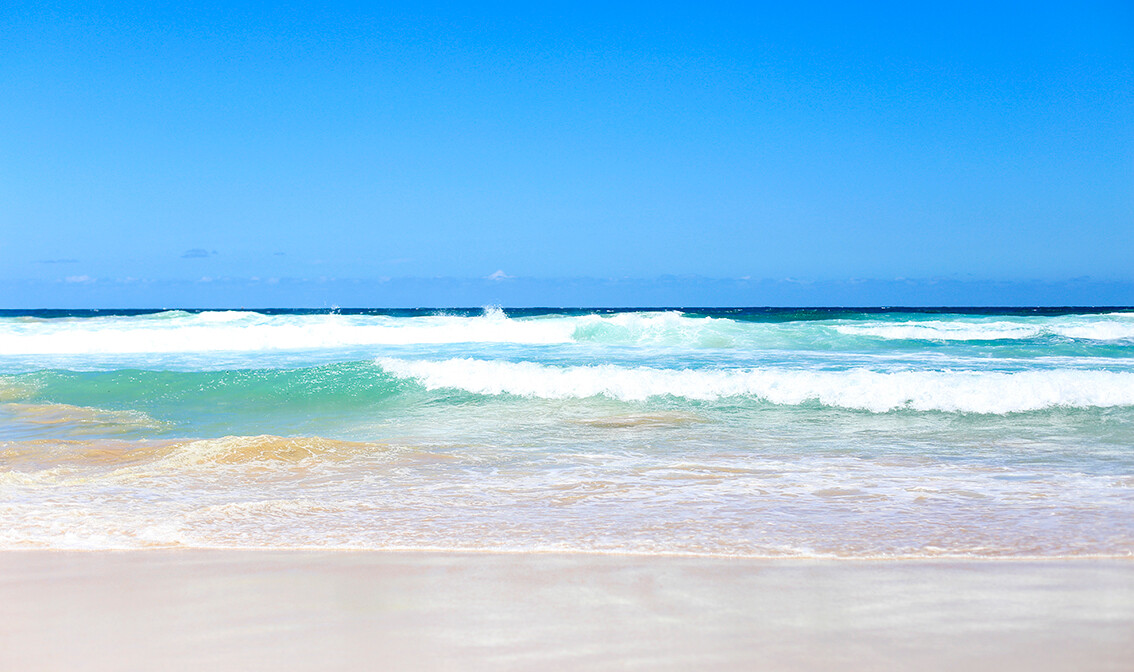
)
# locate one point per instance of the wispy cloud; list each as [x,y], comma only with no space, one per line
[58,261]
[78,279]
[197,253]
[498,276]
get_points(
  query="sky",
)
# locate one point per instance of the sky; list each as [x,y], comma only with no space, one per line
[246,154]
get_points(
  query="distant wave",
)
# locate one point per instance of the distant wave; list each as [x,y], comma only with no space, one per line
[230,331]
[1115,327]
[242,331]
[952,391]
[237,331]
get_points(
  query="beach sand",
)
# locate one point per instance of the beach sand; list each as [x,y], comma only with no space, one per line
[308,610]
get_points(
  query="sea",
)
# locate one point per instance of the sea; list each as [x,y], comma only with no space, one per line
[749,432]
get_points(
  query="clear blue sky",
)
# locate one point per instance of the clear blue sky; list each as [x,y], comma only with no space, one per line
[234,154]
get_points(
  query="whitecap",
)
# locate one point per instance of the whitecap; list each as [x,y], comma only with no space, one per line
[862,389]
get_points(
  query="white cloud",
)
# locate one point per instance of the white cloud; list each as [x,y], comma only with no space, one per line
[498,276]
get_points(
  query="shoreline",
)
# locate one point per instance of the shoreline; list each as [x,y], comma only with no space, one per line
[344,609]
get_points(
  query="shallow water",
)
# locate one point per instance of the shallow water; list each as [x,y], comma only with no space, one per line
[737,432]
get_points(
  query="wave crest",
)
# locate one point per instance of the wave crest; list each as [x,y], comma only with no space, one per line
[859,389]
[243,331]
[1114,327]
[233,331]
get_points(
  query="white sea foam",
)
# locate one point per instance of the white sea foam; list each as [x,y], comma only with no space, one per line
[662,328]
[943,331]
[1099,331]
[241,331]
[954,391]
[238,331]
[1114,327]
[231,331]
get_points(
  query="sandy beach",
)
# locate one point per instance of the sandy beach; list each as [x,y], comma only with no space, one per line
[528,337]
[306,610]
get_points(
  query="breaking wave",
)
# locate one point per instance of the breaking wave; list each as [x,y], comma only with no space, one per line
[242,331]
[1114,327]
[860,389]
[230,331]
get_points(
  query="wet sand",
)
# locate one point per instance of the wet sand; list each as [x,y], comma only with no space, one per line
[306,610]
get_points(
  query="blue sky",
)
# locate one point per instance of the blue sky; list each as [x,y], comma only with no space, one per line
[236,154]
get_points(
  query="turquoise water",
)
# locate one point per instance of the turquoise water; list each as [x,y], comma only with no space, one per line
[758,432]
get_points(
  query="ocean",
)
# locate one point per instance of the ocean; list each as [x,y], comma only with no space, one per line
[818,433]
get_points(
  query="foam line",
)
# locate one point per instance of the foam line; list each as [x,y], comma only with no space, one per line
[954,391]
